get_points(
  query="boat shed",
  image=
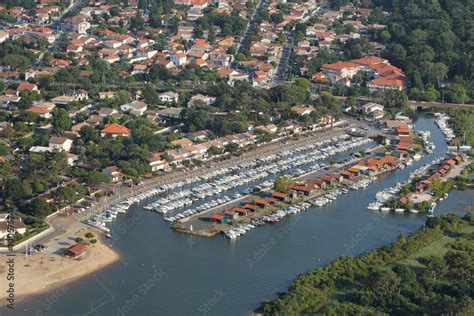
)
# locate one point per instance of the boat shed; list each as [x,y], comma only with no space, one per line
[76,251]
[218,218]
[261,202]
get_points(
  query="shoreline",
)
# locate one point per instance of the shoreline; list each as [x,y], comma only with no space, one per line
[43,272]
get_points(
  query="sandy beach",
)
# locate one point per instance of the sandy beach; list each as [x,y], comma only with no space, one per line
[43,271]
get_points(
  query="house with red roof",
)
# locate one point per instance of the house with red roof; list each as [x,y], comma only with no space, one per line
[27,86]
[218,218]
[115,130]
[261,202]
[386,84]
[340,69]
[280,196]
[157,163]
[41,112]
[250,207]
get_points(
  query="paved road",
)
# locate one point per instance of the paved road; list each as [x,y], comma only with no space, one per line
[288,48]
[250,25]
[284,58]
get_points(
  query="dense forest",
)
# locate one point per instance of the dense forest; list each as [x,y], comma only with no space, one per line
[430,272]
[433,42]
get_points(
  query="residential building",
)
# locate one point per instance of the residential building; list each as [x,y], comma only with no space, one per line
[135,107]
[115,130]
[169,97]
[113,173]
[62,143]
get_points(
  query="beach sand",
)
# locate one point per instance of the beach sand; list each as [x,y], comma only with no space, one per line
[43,271]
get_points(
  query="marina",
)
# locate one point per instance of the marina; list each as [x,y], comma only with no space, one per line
[239,276]
[209,190]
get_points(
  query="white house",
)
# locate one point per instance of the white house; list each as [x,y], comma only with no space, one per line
[135,107]
[169,97]
[157,163]
[106,95]
[78,24]
[114,174]
[373,110]
[341,69]
[71,159]
[62,143]
[18,225]
[170,113]
[200,99]
[302,110]
[178,58]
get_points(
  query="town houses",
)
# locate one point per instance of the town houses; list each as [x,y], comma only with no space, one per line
[105,94]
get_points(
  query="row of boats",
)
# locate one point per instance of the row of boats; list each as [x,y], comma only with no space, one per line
[329,197]
[223,179]
[264,168]
[101,219]
[275,217]
[428,146]
[442,122]
[385,195]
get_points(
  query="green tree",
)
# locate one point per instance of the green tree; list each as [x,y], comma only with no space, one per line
[40,208]
[283,184]
[61,120]
[95,178]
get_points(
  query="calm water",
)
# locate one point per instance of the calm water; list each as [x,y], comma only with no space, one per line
[165,273]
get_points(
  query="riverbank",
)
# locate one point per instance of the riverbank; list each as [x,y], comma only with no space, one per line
[42,272]
[414,275]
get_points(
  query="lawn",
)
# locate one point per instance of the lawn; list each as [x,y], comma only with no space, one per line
[437,248]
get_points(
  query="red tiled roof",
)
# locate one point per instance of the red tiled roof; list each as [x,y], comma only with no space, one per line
[261,201]
[450,162]
[217,217]
[115,129]
[347,173]
[403,146]
[371,60]
[250,206]
[404,129]
[26,86]
[76,249]
[240,210]
[39,110]
[341,65]
[388,82]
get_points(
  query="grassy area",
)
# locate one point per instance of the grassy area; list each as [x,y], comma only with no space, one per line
[437,248]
